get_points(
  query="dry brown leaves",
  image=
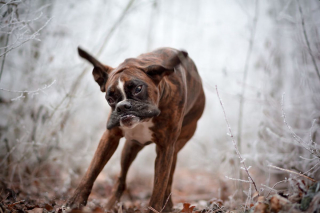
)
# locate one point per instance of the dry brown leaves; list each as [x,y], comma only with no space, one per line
[187,208]
[23,206]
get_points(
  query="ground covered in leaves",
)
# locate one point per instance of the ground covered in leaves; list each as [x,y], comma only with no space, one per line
[211,195]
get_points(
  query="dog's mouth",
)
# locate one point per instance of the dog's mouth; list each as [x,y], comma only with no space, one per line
[129,120]
[139,113]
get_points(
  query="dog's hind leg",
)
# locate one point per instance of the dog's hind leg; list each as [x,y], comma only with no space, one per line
[129,153]
[186,134]
[168,204]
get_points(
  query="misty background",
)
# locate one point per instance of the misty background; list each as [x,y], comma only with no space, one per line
[52,113]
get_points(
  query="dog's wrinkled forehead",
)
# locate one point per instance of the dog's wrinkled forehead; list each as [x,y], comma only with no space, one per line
[122,82]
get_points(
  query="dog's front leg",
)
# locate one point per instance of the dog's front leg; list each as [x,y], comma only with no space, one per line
[161,177]
[107,146]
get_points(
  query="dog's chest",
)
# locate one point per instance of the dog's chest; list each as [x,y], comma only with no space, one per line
[140,133]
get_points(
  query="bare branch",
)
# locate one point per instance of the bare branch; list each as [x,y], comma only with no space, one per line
[307,40]
[4,57]
[312,150]
[235,145]
[165,203]
[237,179]
[293,172]
[32,91]
[23,92]
[244,80]
[152,209]
[312,168]
[272,188]
[155,211]
[33,36]
[245,73]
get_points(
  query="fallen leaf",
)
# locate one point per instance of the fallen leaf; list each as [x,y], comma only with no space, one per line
[216,201]
[261,206]
[13,204]
[48,207]
[278,203]
[187,208]
[29,207]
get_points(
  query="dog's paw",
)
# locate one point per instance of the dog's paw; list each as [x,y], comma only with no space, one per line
[76,202]
[79,198]
[63,209]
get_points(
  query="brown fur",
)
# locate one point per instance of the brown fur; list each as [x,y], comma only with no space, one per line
[175,87]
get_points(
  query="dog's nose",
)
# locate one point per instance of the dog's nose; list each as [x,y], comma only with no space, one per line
[123,106]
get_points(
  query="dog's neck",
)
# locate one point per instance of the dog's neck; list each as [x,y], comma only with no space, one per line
[163,88]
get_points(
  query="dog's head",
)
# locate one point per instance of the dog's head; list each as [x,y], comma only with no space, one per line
[132,88]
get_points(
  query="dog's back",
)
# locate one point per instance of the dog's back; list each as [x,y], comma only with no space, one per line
[185,81]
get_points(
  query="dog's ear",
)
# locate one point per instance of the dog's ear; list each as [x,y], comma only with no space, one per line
[100,71]
[165,67]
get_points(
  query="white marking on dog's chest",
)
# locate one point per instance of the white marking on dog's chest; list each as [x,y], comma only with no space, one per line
[140,133]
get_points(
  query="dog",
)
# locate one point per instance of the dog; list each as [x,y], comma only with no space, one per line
[155,98]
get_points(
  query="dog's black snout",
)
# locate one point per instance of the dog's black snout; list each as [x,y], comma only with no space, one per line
[123,106]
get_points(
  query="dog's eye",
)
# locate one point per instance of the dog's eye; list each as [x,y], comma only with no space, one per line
[138,89]
[110,100]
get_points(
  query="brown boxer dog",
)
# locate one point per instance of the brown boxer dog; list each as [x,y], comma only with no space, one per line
[155,98]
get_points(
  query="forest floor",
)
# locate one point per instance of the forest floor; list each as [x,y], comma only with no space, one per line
[196,192]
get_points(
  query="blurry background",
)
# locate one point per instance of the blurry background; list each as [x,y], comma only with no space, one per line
[52,113]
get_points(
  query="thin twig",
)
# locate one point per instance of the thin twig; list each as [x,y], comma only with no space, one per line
[237,179]
[245,72]
[311,168]
[235,144]
[248,198]
[165,202]
[33,36]
[307,40]
[293,172]
[272,188]
[294,135]
[15,203]
[26,92]
[155,211]
[244,79]
[268,187]
[4,57]
[32,91]
[310,133]
[152,209]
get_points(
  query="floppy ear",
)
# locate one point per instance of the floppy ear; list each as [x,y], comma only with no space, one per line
[100,71]
[165,67]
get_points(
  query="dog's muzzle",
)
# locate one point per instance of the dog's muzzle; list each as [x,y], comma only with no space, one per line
[126,118]
[128,113]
